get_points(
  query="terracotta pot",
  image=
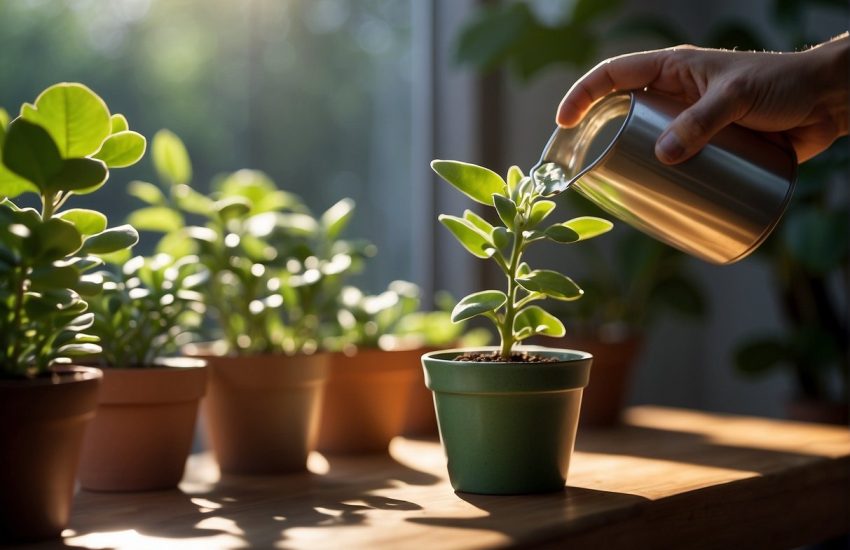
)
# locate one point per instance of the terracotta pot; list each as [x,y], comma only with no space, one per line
[823,412]
[262,412]
[366,399]
[42,422]
[144,426]
[421,418]
[605,396]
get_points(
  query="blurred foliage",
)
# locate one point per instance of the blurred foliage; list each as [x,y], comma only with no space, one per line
[808,254]
[315,93]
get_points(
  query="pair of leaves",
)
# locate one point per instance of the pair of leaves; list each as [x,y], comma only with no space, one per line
[529,321]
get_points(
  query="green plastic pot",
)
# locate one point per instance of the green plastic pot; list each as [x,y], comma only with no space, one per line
[508,428]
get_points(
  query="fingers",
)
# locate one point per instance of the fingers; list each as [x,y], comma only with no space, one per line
[690,131]
[626,72]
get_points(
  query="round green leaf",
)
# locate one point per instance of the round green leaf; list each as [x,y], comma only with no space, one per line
[477,304]
[111,240]
[232,207]
[539,211]
[477,182]
[170,158]
[506,209]
[514,176]
[552,284]
[76,118]
[146,192]
[337,217]
[30,153]
[119,123]
[57,239]
[122,149]
[588,227]
[53,276]
[156,218]
[81,176]
[535,320]
[561,234]
[87,222]
[466,233]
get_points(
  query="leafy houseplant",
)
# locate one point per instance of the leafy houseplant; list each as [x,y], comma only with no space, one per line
[63,144]
[273,268]
[508,419]
[146,413]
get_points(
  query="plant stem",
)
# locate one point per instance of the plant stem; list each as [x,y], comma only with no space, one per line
[507,328]
[16,318]
[47,207]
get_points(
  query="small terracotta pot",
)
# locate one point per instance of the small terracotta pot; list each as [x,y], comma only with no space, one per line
[366,399]
[421,418]
[613,361]
[42,422]
[143,429]
[262,411]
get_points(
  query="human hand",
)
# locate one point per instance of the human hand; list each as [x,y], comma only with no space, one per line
[803,95]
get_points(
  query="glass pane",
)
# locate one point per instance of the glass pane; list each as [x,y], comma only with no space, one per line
[317,93]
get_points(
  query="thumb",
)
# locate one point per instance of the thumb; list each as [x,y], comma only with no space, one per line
[695,126]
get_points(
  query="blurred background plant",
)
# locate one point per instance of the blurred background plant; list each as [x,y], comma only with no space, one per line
[807,256]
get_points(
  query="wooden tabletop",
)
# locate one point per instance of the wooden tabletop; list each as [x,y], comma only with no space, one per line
[666,478]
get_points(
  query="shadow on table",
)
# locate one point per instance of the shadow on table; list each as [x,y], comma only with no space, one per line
[685,447]
[527,519]
[254,511]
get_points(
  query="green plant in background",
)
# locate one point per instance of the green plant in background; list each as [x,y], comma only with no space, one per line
[392,320]
[63,144]
[148,310]
[275,270]
[809,252]
[522,206]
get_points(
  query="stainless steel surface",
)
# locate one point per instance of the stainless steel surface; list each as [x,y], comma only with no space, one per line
[719,205]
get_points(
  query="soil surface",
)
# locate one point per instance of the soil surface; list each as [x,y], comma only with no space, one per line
[494,357]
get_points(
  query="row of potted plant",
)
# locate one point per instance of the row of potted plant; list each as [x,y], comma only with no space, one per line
[247,263]
[300,360]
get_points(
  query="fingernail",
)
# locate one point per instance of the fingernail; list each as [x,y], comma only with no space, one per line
[669,148]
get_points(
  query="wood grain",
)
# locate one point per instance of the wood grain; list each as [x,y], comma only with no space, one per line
[666,478]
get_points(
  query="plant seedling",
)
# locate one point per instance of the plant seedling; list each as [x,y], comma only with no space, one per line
[522,205]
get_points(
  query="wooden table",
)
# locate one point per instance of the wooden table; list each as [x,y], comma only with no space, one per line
[666,478]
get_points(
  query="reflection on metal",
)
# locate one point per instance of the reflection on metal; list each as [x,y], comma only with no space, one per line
[719,205]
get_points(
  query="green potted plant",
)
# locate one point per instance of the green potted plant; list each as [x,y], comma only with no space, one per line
[61,145]
[508,418]
[264,297]
[148,403]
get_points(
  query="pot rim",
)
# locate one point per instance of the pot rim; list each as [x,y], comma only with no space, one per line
[443,374]
[58,374]
[163,364]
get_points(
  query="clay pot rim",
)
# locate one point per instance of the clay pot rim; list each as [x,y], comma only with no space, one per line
[164,364]
[173,381]
[58,375]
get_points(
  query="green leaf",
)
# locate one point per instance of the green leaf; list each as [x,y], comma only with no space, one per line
[119,123]
[87,222]
[146,192]
[111,240]
[63,276]
[552,284]
[477,304]
[468,236]
[479,222]
[336,218]
[156,218]
[122,149]
[75,117]
[561,234]
[4,120]
[759,356]
[477,182]
[81,176]
[539,321]
[588,227]
[13,185]
[189,200]
[506,209]
[232,207]
[170,158]
[539,211]
[57,239]
[501,238]
[514,176]
[77,350]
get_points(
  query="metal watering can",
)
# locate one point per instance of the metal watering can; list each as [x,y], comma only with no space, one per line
[719,205]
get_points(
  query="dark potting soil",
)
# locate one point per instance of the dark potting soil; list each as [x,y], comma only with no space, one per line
[494,357]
